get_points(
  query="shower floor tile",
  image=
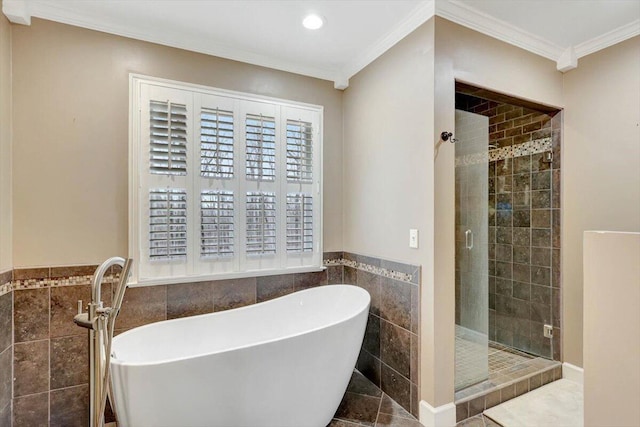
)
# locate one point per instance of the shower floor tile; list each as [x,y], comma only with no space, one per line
[364,404]
[506,365]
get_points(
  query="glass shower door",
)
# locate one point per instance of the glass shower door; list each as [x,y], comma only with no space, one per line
[472,274]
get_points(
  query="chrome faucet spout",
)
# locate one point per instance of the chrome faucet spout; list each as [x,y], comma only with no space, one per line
[96,288]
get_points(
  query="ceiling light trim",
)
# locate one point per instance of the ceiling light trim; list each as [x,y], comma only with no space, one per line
[313,22]
[608,39]
[474,19]
[56,13]
[418,16]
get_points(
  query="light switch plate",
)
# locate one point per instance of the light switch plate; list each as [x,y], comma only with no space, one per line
[413,238]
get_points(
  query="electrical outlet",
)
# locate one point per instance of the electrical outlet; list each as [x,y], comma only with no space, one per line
[548,331]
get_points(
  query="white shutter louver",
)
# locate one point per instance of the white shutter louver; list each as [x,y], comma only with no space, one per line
[167,224]
[299,151]
[168,138]
[261,223]
[260,134]
[299,222]
[216,143]
[217,225]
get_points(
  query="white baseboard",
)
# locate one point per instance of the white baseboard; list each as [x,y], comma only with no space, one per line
[573,373]
[442,416]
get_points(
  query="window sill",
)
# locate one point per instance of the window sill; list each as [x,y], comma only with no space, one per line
[247,274]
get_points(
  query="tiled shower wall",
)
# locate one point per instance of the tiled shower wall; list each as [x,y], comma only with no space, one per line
[48,353]
[524,227]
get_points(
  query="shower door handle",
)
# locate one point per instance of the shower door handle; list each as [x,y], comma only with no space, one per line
[468,236]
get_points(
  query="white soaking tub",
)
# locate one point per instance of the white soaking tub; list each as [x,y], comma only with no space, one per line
[284,362]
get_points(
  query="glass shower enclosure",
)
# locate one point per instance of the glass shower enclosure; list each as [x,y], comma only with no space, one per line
[472,237]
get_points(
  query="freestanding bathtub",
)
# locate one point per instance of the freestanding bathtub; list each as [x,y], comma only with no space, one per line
[284,362]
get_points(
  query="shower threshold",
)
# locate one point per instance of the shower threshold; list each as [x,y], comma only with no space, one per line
[511,373]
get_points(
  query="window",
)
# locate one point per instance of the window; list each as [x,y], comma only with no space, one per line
[222,184]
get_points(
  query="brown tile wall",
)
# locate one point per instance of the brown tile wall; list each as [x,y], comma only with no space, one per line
[389,357]
[6,357]
[524,228]
[49,355]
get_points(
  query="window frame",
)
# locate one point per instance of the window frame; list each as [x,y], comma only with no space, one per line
[137,193]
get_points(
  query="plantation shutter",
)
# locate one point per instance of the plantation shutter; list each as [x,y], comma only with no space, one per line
[222,184]
[168,138]
[217,185]
[299,151]
[299,222]
[165,132]
[261,223]
[216,143]
[167,224]
[217,224]
[303,215]
[261,147]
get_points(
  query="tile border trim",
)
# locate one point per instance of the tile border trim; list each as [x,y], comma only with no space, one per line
[331,259]
[6,288]
[363,262]
[18,285]
[526,148]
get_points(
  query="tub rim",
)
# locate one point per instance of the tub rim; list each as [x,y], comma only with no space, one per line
[114,360]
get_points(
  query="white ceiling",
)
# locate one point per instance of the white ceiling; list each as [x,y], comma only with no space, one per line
[269,32]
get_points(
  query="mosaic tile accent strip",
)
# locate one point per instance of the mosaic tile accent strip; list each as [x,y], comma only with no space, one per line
[5,282]
[51,283]
[509,152]
[6,288]
[333,259]
[341,260]
[396,275]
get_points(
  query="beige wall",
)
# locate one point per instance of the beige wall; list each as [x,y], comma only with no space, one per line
[600,165]
[611,329]
[6,260]
[466,55]
[70,93]
[388,158]
[387,131]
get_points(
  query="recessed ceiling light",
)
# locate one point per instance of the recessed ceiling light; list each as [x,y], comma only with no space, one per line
[313,21]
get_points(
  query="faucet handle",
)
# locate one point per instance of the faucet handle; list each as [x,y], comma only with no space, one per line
[79,306]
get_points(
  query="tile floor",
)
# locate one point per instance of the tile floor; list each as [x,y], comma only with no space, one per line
[478,421]
[560,403]
[364,404]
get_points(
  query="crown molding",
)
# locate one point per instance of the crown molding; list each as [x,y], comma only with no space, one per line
[17,12]
[418,16]
[474,19]
[54,12]
[608,39]
[567,61]
[21,11]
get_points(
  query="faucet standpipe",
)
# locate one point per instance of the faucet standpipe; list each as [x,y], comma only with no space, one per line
[100,321]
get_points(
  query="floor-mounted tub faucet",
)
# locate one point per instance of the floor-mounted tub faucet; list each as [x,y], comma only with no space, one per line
[100,321]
